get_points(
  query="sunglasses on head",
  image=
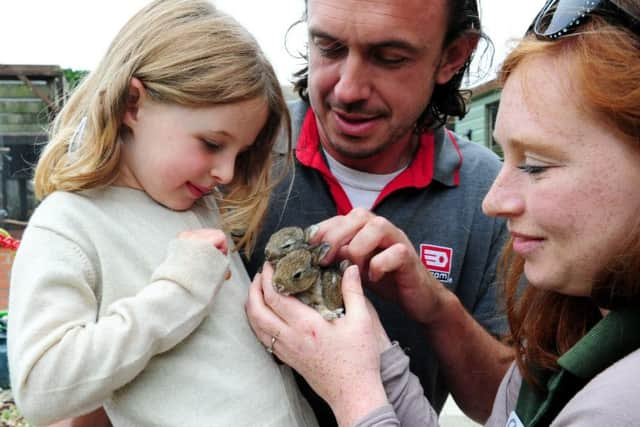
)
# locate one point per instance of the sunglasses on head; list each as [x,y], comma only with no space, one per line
[558,18]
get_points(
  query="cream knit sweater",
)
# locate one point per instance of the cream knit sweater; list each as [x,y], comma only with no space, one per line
[108,308]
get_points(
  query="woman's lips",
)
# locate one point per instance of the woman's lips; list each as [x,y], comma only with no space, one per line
[524,245]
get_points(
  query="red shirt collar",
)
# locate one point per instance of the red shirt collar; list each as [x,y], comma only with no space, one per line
[418,174]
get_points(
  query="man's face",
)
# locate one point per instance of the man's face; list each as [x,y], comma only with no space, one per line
[372,69]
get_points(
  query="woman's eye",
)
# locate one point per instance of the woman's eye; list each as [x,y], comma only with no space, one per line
[533,169]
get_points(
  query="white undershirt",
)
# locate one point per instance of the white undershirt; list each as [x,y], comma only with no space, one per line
[362,188]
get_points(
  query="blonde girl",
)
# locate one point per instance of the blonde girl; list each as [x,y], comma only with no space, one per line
[128,291]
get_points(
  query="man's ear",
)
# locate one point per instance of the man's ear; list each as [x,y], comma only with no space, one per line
[135,97]
[454,57]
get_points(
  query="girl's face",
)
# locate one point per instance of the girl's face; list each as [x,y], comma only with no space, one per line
[568,186]
[178,154]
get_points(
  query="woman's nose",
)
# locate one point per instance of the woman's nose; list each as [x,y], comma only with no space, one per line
[504,197]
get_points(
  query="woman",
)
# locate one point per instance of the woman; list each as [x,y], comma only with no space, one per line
[569,125]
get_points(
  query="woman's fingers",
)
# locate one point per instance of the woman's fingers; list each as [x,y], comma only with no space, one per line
[352,293]
[264,322]
[288,308]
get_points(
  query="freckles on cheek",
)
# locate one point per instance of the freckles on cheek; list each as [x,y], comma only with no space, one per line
[558,215]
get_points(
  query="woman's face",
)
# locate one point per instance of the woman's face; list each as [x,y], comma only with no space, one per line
[568,186]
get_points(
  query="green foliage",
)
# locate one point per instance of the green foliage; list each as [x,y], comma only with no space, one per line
[9,414]
[73,77]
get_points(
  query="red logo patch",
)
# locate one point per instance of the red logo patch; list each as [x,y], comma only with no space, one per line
[437,259]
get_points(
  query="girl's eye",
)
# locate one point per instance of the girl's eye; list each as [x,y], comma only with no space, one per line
[533,169]
[210,145]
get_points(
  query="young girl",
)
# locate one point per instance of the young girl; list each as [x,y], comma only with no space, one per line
[125,291]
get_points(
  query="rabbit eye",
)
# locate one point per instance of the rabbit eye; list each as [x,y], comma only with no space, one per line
[288,244]
[298,275]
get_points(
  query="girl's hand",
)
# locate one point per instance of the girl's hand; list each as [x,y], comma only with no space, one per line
[339,359]
[217,237]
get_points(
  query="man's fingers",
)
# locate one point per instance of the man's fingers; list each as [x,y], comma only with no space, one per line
[339,230]
[393,259]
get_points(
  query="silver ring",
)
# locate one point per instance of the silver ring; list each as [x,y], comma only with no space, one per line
[273,341]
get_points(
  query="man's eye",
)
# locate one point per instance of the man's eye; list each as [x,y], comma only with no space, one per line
[533,169]
[327,46]
[390,58]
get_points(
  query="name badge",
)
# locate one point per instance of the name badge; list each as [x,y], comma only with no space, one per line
[514,421]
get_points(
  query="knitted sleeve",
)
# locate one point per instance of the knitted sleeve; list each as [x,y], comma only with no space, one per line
[64,359]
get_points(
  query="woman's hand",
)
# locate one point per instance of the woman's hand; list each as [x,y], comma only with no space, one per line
[339,359]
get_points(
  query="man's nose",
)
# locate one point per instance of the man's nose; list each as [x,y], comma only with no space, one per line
[354,82]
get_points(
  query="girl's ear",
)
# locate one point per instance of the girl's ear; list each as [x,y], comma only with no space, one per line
[134,100]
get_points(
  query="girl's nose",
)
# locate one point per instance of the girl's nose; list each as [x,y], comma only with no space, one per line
[223,172]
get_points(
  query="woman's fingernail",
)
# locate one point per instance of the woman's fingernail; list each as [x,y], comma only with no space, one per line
[352,272]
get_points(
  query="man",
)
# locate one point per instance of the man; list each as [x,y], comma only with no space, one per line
[382,77]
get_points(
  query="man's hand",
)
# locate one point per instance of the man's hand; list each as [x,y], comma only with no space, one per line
[389,264]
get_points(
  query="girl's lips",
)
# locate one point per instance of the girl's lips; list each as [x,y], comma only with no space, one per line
[354,125]
[196,190]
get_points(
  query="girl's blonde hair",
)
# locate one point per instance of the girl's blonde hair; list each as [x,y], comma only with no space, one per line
[605,65]
[185,52]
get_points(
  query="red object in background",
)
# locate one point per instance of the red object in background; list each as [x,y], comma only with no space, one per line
[8,246]
[8,242]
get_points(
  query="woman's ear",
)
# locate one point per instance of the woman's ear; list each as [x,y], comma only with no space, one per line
[135,98]
[455,56]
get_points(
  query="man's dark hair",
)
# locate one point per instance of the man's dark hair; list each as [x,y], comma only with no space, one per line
[447,99]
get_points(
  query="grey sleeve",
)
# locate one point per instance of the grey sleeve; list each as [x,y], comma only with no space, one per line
[409,407]
[506,398]
[610,399]
[490,310]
